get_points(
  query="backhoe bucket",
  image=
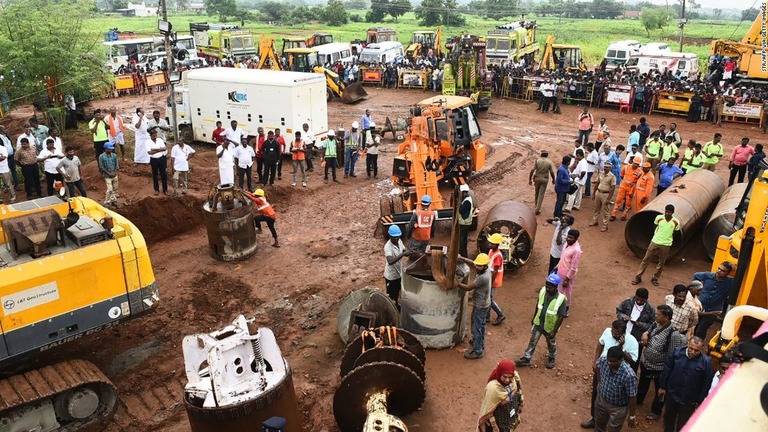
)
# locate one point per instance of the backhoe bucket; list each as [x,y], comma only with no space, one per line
[353,93]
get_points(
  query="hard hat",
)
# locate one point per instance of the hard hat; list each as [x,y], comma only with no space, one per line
[426,199]
[495,238]
[372,124]
[109,145]
[394,231]
[464,188]
[482,259]
[553,279]
[638,160]
[331,133]
[647,165]
[259,192]
[355,124]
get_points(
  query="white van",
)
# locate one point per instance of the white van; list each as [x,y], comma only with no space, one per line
[619,52]
[655,47]
[382,52]
[329,54]
[688,63]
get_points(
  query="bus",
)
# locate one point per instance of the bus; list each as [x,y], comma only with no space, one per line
[122,52]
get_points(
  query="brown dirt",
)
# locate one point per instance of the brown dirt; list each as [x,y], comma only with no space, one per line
[328,250]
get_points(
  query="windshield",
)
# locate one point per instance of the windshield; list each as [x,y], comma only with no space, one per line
[369,57]
[420,38]
[490,44]
[632,61]
[502,45]
[610,54]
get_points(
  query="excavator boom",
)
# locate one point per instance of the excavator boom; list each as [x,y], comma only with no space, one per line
[267,53]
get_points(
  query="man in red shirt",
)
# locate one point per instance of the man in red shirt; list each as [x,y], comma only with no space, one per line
[218,134]
[259,154]
[497,276]
[280,140]
[739,158]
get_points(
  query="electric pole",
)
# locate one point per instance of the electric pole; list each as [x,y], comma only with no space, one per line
[170,65]
[681,24]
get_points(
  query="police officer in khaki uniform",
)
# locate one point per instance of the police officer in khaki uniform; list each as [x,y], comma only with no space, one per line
[605,186]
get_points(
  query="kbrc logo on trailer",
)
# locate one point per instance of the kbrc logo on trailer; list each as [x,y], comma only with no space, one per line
[238,97]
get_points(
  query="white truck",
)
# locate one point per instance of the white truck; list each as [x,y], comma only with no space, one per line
[254,98]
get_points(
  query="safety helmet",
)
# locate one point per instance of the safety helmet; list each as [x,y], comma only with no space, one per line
[355,124]
[372,124]
[331,133]
[482,259]
[426,200]
[464,188]
[109,145]
[553,279]
[495,238]
[647,165]
[638,160]
[259,192]
[394,231]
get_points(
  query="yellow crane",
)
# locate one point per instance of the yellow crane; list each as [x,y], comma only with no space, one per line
[562,57]
[267,52]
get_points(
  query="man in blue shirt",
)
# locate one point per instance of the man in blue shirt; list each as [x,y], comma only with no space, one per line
[686,378]
[717,286]
[644,130]
[668,172]
[615,161]
[634,137]
[562,184]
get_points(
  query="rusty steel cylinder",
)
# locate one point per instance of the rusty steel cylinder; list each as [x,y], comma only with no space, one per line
[516,222]
[229,224]
[722,219]
[694,196]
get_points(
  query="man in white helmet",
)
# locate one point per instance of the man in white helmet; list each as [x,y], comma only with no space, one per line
[330,155]
[421,226]
[353,142]
[372,140]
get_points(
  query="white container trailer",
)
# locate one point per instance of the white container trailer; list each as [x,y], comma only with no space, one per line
[255,98]
[685,63]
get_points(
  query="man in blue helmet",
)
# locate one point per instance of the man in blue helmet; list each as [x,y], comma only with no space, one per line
[421,226]
[550,311]
[394,251]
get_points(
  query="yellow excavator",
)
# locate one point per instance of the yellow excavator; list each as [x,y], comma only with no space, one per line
[68,269]
[746,250]
[749,53]
[306,60]
[561,57]
[423,41]
[267,56]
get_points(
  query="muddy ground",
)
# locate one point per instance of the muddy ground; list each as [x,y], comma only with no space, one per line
[329,250]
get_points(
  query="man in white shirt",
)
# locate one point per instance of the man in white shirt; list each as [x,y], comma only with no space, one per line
[160,124]
[579,176]
[631,155]
[157,152]
[5,173]
[69,168]
[309,140]
[180,156]
[29,135]
[5,142]
[244,156]
[50,159]
[233,135]
[57,144]
[139,122]
[226,163]
[592,160]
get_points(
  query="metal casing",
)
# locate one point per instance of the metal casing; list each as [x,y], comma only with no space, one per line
[721,223]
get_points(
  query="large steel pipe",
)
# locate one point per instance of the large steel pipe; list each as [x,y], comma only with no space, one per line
[229,224]
[694,196]
[722,219]
[517,224]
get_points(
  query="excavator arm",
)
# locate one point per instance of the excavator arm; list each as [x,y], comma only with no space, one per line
[547,59]
[267,51]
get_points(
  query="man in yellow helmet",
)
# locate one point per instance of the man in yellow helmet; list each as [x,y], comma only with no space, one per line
[497,275]
[481,301]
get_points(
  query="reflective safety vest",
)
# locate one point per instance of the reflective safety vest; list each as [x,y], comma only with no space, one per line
[424,220]
[499,279]
[263,207]
[550,319]
[467,221]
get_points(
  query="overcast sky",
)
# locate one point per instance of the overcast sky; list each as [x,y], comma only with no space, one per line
[723,4]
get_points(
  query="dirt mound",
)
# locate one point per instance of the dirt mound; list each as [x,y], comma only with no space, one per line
[162,218]
[328,248]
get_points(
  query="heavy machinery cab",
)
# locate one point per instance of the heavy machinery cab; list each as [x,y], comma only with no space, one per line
[302,59]
[320,39]
[293,42]
[561,57]
[380,34]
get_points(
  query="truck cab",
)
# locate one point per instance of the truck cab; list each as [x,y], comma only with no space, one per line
[380,34]
[619,52]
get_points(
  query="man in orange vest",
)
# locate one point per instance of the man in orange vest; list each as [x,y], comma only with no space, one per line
[421,226]
[116,128]
[629,176]
[644,187]
[497,276]
[263,212]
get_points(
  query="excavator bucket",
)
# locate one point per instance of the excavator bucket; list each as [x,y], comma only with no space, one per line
[353,93]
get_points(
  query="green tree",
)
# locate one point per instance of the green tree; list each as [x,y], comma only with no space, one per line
[717,14]
[301,14]
[379,9]
[44,41]
[275,11]
[356,4]
[498,9]
[398,8]
[654,19]
[335,14]
[749,14]
[606,9]
[437,12]
[225,9]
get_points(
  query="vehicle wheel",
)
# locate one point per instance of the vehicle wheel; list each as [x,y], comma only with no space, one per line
[185,133]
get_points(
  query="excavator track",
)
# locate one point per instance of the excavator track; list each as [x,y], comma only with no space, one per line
[79,394]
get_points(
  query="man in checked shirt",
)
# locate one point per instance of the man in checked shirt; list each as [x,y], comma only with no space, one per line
[617,394]
[684,314]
